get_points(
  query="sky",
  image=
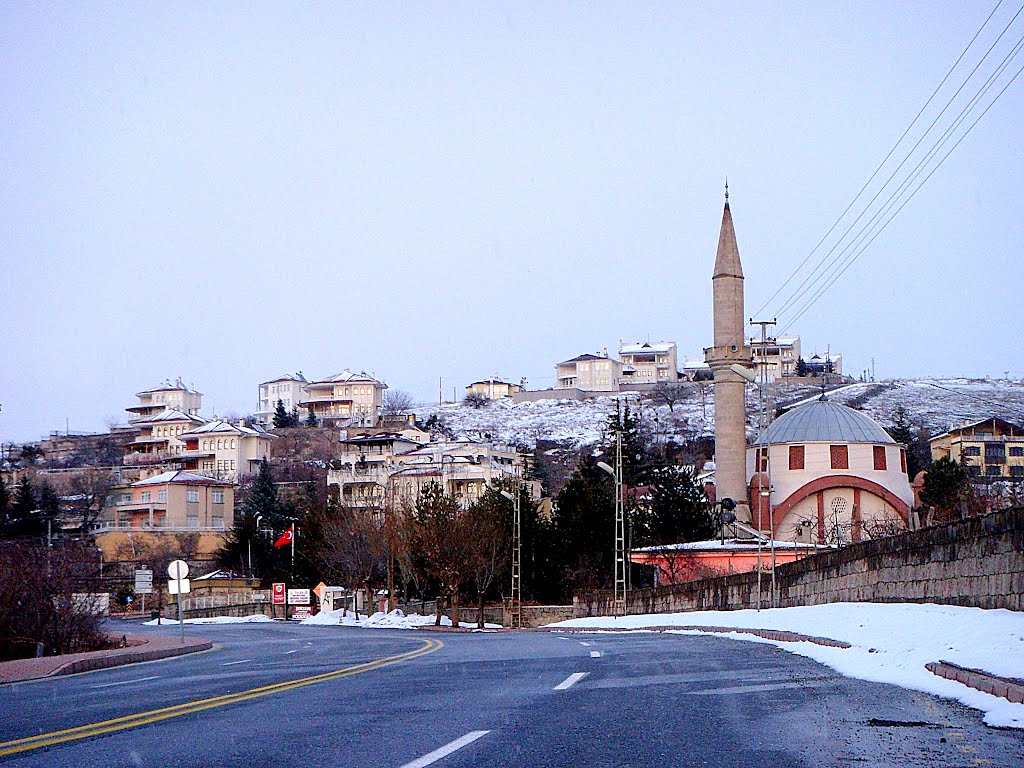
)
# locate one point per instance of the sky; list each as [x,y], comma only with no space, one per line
[438,192]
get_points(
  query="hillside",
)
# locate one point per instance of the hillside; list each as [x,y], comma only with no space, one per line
[935,402]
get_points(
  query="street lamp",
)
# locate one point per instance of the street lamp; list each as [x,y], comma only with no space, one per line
[619,584]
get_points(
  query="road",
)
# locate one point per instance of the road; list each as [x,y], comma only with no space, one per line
[284,695]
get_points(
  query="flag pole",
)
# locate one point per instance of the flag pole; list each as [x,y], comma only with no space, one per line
[295,533]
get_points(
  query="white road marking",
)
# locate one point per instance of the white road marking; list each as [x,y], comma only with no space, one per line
[562,638]
[585,644]
[570,681]
[126,682]
[295,650]
[232,663]
[446,750]
[595,654]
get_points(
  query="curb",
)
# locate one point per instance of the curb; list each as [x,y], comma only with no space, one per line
[41,669]
[978,680]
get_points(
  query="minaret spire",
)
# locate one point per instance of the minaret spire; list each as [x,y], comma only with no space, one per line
[726,191]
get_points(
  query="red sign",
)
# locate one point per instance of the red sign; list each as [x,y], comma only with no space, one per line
[301,612]
[277,597]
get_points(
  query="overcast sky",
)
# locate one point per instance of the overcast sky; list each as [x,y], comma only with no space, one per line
[427,190]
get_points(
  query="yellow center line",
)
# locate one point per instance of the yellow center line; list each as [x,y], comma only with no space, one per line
[165,713]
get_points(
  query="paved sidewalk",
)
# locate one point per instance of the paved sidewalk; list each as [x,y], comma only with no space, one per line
[140,649]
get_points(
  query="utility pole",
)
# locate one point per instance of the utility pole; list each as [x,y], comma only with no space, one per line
[766,449]
[620,583]
[516,600]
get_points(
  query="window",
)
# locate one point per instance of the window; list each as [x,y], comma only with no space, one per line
[971,450]
[903,461]
[796,457]
[840,456]
[879,455]
[218,497]
[993,471]
[146,496]
[1017,471]
[161,496]
[973,471]
[192,495]
[192,522]
[761,460]
[217,522]
[1017,450]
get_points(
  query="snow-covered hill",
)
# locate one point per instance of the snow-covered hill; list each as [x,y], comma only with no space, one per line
[936,402]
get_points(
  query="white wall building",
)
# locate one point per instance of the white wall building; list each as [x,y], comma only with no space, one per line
[288,389]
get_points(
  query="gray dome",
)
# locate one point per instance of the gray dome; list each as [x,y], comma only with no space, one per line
[826,422]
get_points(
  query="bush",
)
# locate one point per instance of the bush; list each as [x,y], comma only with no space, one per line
[39,602]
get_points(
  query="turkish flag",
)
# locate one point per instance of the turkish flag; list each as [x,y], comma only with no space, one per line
[285,538]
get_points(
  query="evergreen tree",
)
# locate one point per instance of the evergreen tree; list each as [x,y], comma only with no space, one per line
[678,511]
[636,458]
[801,367]
[248,549]
[282,418]
[49,510]
[583,524]
[945,487]
[311,419]
[919,455]
[5,505]
[22,520]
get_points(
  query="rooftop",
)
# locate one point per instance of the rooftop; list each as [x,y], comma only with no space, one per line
[180,477]
[822,420]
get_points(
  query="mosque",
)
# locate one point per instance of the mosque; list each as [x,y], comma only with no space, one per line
[822,473]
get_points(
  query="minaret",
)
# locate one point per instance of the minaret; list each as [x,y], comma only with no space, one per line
[729,349]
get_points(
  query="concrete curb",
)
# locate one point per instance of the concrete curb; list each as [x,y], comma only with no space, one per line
[769,634]
[146,649]
[979,680]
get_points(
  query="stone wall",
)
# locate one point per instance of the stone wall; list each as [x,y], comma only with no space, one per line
[977,562]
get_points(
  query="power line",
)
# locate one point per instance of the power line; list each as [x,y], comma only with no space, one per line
[884,160]
[808,283]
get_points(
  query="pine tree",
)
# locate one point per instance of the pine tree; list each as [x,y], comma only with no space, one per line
[247,549]
[801,367]
[636,459]
[282,418]
[49,509]
[5,505]
[24,510]
[678,511]
[311,420]
[945,487]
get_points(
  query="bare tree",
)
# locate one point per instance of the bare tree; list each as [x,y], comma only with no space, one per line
[476,400]
[86,492]
[347,546]
[396,402]
[671,393]
[487,529]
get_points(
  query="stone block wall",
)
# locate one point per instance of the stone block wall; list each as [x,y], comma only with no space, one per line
[976,562]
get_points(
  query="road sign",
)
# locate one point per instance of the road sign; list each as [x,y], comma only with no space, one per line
[178,587]
[298,597]
[301,612]
[319,590]
[278,594]
[143,582]
[177,569]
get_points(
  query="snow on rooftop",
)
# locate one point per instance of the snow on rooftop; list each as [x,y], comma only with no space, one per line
[730,545]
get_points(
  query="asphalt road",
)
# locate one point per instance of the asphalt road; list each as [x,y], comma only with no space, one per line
[284,695]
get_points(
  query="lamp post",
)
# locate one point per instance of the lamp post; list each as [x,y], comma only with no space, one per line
[619,585]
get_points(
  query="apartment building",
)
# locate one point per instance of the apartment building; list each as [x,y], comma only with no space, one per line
[287,388]
[347,399]
[590,373]
[651,362]
[173,501]
[992,449]
[363,465]
[166,396]
[158,438]
[224,450]
[775,357]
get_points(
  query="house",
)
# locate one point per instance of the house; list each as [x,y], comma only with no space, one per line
[492,389]
[224,450]
[775,357]
[347,399]
[167,395]
[590,373]
[818,365]
[991,449]
[696,370]
[158,438]
[363,465]
[651,362]
[827,474]
[287,388]
[173,501]
[678,563]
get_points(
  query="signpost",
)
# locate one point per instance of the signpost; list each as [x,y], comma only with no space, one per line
[179,585]
[298,597]
[143,584]
[278,594]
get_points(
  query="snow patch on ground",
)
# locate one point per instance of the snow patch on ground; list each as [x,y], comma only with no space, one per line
[891,643]
[256,618]
[394,620]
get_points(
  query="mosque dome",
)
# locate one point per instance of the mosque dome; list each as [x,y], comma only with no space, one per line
[824,421]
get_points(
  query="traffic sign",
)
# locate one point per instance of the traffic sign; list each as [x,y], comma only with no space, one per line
[278,594]
[143,582]
[178,587]
[298,597]
[177,569]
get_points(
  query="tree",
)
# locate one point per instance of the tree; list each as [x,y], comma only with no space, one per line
[311,420]
[582,525]
[49,510]
[475,400]
[670,393]
[88,492]
[488,539]
[247,549]
[636,458]
[678,510]
[5,505]
[396,402]
[945,488]
[916,440]
[801,367]
[282,418]
[23,516]
[346,546]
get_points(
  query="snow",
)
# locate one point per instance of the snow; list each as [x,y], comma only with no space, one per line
[256,618]
[582,422]
[891,643]
[394,620]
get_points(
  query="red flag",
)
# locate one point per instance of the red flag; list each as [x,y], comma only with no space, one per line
[285,538]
